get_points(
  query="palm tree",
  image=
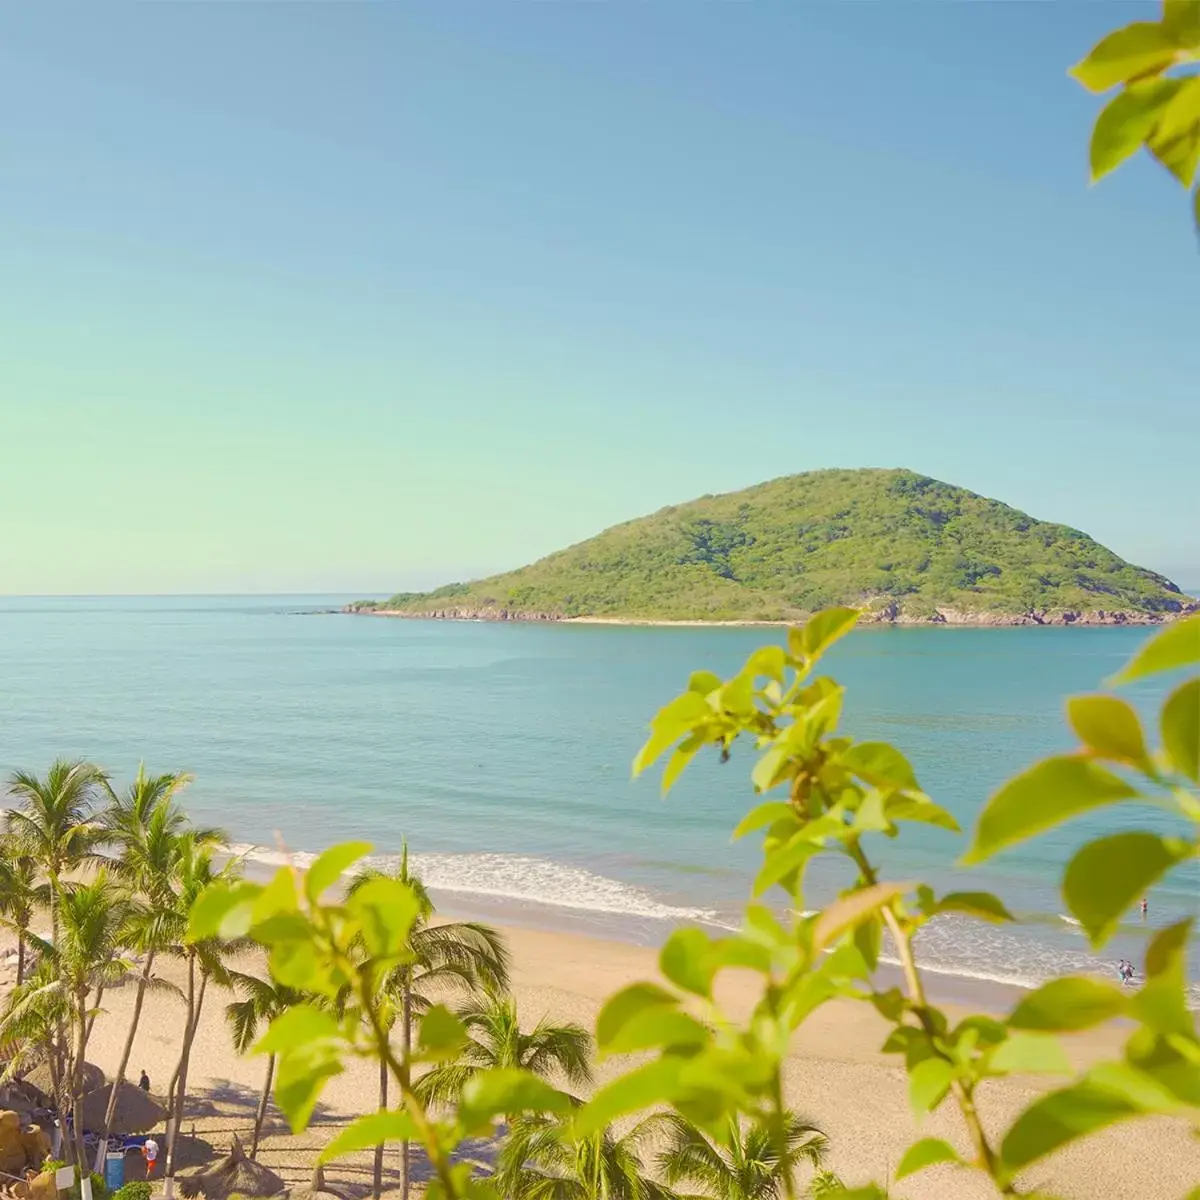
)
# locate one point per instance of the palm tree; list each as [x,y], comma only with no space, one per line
[19,894]
[54,822]
[72,974]
[751,1162]
[542,1158]
[443,958]
[92,919]
[205,962]
[262,1002]
[495,1039]
[149,829]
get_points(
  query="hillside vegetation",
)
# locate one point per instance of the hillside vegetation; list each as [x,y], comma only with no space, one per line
[898,544]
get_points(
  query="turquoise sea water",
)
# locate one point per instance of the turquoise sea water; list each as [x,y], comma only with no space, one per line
[502,752]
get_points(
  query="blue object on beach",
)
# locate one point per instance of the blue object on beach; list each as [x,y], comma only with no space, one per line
[114,1171]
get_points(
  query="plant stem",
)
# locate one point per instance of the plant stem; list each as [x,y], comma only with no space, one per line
[400,1070]
[920,1005]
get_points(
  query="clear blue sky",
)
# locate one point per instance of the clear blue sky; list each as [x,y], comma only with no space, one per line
[355,296]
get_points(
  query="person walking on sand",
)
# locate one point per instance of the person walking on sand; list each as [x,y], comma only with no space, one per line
[144,1082]
[150,1153]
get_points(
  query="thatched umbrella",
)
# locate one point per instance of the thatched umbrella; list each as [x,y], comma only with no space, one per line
[93,1078]
[316,1190]
[137,1111]
[235,1174]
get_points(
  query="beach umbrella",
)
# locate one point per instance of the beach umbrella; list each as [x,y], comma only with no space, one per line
[316,1190]
[93,1078]
[235,1174]
[137,1111]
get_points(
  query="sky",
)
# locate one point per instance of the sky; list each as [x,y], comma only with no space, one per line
[358,297]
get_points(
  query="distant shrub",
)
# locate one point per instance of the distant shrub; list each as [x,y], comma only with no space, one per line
[137,1189]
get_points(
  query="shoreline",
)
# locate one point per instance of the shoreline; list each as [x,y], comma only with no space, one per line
[945,619]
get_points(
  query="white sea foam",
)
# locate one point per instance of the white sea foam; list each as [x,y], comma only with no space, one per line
[515,877]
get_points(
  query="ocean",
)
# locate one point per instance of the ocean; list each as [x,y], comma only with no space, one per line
[502,754]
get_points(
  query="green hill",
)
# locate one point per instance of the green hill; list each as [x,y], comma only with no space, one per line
[900,545]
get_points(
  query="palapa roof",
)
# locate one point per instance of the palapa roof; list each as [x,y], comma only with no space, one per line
[93,1078]
[137,1111]
[316,1190]
[235,1174]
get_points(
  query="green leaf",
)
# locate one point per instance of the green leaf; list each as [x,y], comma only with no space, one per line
[880,764]
[223,910]
[1179,154]
[1068,1004]
[1181,19]
[658,1028]
[813,638]
[672,722]
[386,909]
[983,905]
[928,1152]
[916,806]
[298,965]
[1175,646]
[623,1006]
[1047,794]
[762,815]
[308,1044]
[1182,111]
[643,1087]
[330,866]
[766,660]
[1107,876]
[1161,1002]
[1180,721]
[297,1026]
[782,861]
[373,1129]
[928,1083]
[1109,727]
[681,756]
[442,1033]
[507,1090]
[1126,123]
[703,682]
[1110,1093]
[851,910]
[300,1078]
[1143,48]
[686,960]
[1027,1053]
[771,768]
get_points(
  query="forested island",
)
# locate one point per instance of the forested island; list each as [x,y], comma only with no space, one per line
[898,545]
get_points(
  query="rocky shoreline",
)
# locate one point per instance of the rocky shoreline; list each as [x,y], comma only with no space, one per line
[888,615]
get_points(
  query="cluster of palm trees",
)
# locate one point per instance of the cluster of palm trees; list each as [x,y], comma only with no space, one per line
[116,875]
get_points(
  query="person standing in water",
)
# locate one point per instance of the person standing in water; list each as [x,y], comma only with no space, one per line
[1145,907]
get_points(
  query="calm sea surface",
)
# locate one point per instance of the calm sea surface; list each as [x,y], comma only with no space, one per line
[502,752]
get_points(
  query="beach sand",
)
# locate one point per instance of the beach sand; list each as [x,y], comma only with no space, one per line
[835,1075]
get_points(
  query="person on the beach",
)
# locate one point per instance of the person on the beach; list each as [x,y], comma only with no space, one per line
[150,1153]
[144,1082]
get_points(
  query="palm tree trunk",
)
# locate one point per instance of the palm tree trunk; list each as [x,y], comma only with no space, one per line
[114,1095]
[20,957]
[260,1116]
[77,1093]
[95,1011]
[180,1081]
[377,1178]
[405,1049]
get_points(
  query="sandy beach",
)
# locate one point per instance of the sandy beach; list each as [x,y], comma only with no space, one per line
[836,1076]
